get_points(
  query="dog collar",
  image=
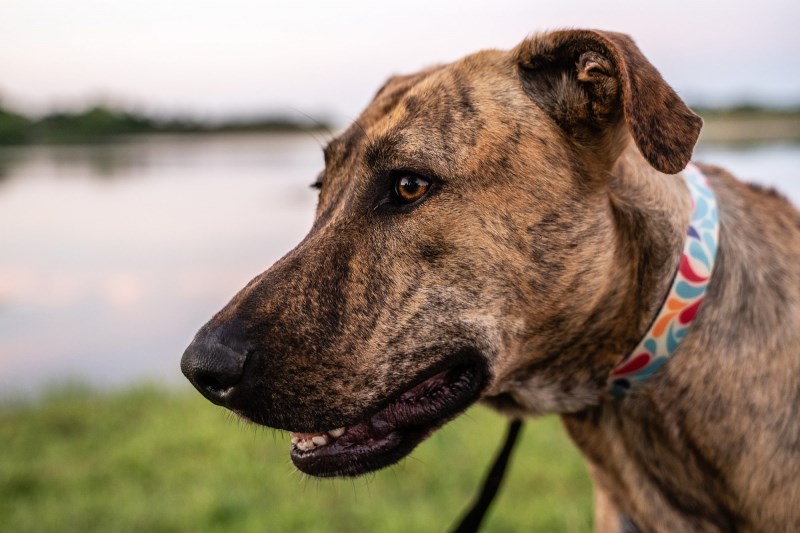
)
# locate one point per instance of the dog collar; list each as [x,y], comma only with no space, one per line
[685,296]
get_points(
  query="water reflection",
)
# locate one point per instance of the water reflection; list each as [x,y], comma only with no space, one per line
[9,157]
[775,165]
[112,256]
[108,279]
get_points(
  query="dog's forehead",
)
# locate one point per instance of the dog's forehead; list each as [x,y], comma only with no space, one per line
[418,110]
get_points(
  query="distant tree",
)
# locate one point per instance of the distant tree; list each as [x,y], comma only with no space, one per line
[94,124]
[14,128]
[101,123]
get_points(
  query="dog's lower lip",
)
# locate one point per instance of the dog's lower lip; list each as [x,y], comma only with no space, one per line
[391,433]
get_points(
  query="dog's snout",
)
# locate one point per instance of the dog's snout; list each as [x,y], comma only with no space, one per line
[214,366]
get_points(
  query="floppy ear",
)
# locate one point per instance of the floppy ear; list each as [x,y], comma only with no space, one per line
[594,83]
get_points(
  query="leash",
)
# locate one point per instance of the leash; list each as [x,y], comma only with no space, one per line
[473,518]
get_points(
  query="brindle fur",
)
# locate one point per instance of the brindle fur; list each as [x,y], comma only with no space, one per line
[547,245]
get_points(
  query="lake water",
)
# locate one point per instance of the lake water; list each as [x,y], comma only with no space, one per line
[112,256]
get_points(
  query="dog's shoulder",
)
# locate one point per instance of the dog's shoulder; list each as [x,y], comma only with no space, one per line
[751,193]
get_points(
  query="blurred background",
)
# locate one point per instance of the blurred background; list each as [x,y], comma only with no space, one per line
[155,156]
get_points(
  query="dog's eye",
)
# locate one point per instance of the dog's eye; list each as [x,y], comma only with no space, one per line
[410,188]
[318,182]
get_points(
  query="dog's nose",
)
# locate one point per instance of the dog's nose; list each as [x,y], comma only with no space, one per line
[213,366]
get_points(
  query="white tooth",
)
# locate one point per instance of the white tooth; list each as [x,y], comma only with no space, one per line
[295,440]
[336,433]
[320,440]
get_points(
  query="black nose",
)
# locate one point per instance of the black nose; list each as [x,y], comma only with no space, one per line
[214,366]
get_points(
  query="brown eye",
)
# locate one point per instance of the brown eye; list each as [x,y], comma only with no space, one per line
[409,189]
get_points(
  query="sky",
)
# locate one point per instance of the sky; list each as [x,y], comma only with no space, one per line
[326,58]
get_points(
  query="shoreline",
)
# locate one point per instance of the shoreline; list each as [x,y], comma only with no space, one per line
[749,128]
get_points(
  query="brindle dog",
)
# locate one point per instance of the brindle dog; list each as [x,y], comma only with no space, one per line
[504,229]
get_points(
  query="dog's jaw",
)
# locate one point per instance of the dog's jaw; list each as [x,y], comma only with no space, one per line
[392,432]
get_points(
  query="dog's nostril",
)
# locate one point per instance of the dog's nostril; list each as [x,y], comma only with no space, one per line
[211,384]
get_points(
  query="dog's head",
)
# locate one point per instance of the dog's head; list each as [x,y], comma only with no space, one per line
[466,245]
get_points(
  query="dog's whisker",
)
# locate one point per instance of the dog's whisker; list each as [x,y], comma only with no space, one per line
[323,126]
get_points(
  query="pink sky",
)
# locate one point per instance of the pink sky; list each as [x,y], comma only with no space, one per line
[323,57]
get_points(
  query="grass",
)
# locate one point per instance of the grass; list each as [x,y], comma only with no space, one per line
[150,459]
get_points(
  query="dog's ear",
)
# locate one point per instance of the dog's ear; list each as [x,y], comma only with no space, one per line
[594,84]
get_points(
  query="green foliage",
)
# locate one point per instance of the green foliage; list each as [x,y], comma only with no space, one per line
[97,124]
[151,460]
[93,124]
[14,128]
[747,109]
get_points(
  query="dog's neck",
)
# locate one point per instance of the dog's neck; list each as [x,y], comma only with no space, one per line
[686,294]
[650,213]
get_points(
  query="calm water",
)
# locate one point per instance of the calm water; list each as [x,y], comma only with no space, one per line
[112,256]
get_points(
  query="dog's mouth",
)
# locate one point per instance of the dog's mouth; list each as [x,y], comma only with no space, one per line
[391,433]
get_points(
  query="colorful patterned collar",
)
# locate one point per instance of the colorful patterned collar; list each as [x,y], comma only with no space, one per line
[684,297]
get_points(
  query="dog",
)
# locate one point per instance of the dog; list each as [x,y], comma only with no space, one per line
[505,229]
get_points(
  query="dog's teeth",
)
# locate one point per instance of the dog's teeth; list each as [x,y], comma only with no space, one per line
[306,441]
[336,433]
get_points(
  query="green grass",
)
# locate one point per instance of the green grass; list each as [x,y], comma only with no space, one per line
[148,459]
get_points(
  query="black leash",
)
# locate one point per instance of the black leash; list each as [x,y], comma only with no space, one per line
[472,520]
